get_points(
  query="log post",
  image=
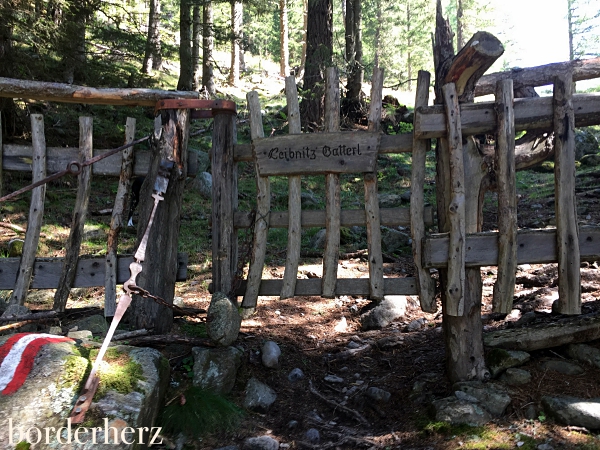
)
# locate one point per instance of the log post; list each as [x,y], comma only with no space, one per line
[84,184]
[332,190]
[567,231]
[159,269]
[116,222]
[36,211]
[376,288]
[294,198]
[426,285]
[261,220]
[504,288]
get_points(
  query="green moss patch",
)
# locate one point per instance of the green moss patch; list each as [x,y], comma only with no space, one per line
[117,373]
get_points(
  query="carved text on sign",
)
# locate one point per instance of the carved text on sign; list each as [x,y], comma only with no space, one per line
[316,153]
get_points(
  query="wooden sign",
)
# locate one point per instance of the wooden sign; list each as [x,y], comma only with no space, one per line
[350,152]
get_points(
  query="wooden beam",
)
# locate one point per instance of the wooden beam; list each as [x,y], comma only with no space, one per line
[531,114]
[569,286]
[69,93]
[533,247]
[90,271]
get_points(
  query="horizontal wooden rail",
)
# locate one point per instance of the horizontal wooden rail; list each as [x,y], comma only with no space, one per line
[344,286]
[90,271]
[530,114]
[533,247]
[18,158]
[389,217]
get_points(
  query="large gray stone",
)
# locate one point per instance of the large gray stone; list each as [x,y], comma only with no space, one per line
[261,443]
[394,240]
[270,354]
[590,159]
[223,320]
[586,143]
[216,369]
[202,158]
[317,242]
[203,185]
[390,309]
[515,377]
[584,353]
[574,411]
[459,412]
[493,397]
[498,360]
[96,324]
[564,367]
[259,396]
[47,397]
[389,200]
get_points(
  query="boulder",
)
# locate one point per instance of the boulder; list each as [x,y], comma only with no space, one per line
[590,160]
[584,353]
[393,240]
[216,368]
[515,377]
[389,200]
[574,411]
[261,443]
[259,396]
[203,185]
[222,320]
[270,354]
[317,242]
[96,324]
[564,367]
[498,360]
[493,397]
[390,309]
[586,142]
[460,412]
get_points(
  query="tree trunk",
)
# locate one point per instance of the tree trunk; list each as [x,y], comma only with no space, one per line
[570,25]
[208,42]
[160,263]
[319,52]
[196,37]
[304,33]
[152,57]
[186,71]
[377,34]
[460,39]
[73,43]
[284,55]
[236,28]
[8,109]
[354,50]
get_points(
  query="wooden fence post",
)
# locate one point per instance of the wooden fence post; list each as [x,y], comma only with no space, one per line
[504,288]
[1,158]
[36,211]
[116,222]
[84,184]
[567,231]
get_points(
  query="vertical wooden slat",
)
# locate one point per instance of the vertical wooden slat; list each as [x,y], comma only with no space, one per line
[261,222]
[456,211]
[223,172]
[332,191]
[116,222]
[36,211]
[376,288]
[84,183]
[1,158]
[567,231]
[504,288]
[426,284]
[294,198]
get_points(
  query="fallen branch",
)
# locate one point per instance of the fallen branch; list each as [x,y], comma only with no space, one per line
[130,334]
[16,325]
[165,339]
[12,227]
[337,406]
[347,354]
[30,317]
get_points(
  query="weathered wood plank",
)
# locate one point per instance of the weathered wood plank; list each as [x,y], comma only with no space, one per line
[36,211]
[504,288]
[294,198]
[263,206]
[569,286]
[538,337]
[332,190]
[455,287]
[425,284]
[533,247]
[84,185]
[375,259]
[90,271]
[1,158]
[389,217]
[70,93]
[344,286]
[116,222]
[532,114]
[18,158]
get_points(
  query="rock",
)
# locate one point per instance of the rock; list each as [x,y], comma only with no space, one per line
[203,160]
[341,326]
[293,424]
[531,412]
[46,398]
[93,232]
[585,143]
[317,242]
[270,354]
[498,360]
[81,335]
[458,412]
[563,367]
[405,196]
[493,397]
[178,301]
[584,353]
[393,241]
[389,342]
[383,314]
[96,324]
[544,447]
[590,160]
[389,200]
[223,320]
[515,377]
[216,368]
[295,375]
[229,447]
[308,199]
[259,396]
[20,310]
[55,330]
[203,185]
[15,247]
[378,395]
[312,436]
[333,379]
[416,325]
[574,411]
[261,443]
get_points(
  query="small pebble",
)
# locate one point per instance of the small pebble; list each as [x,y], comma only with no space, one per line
[312,436]
[295,375]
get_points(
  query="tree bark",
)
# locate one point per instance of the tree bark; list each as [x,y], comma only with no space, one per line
[354,50]
[72,46]
[186,71]
[152,56]
[284,54]
[196,44]
[208,40]
[236,28]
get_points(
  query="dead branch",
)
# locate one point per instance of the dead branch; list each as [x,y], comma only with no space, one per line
[160,340]
[347,354]
[338,406]
[130,334]
[15,228]
[30,317]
